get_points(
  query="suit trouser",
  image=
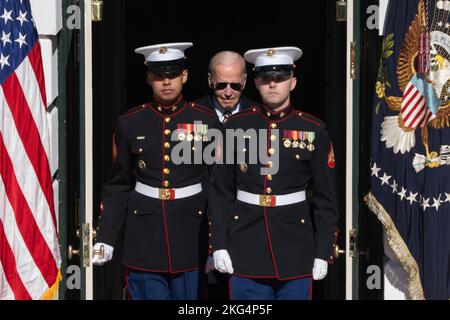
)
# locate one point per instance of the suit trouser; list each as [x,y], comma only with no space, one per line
[270,289]
[164,286]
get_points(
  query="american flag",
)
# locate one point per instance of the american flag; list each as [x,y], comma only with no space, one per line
[29,253]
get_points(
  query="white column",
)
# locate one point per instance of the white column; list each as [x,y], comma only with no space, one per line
[382,15]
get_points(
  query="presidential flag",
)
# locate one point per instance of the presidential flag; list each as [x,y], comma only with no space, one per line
[29,253]
[410,157]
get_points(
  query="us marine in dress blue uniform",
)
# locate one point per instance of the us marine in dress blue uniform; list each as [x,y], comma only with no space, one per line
[161,204]
[264,232]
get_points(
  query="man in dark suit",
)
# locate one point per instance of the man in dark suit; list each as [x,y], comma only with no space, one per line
[264,233]
[227,79]
[160,201]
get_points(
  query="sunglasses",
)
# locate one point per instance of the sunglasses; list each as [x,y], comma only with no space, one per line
[224,85]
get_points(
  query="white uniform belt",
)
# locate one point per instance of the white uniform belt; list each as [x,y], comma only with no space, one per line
[269,200]
[168,194]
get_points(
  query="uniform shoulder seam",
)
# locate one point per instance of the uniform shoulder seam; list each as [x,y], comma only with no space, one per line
[201,108]
[133,111]
[310,118]
[245,112]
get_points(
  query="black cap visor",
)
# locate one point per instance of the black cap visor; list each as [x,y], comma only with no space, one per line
[172,68]
[274,71]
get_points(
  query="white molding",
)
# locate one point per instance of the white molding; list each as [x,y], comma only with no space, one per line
[56,201]
[382,15]
[50,65]
[88,143]
[54,147]
[48,16]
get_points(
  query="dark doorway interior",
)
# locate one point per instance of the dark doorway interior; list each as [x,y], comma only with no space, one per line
[370,240]
[119,78]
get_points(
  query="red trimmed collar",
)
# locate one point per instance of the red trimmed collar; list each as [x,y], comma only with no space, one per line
[170,109]
[270,115]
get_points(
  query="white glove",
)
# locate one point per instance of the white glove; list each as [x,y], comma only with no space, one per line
[101,253]
[209,264]
[222,261]
[320,269]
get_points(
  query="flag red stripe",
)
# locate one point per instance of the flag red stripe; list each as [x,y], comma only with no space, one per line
[36,62]
[29,230]
[29,134]
[420,106]
[408,100]
[420,118]
[413,109]
[9,267]
[423,114]
[408,90]
[425,119]
[409,105]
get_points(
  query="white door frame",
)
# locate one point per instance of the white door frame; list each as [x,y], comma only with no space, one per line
[88,143]
[349,156]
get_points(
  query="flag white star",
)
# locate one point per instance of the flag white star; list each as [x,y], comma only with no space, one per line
[447,25]
[412,197]
[425,203]
[403,193]
[440,23]
[4,60]
[22,17]
[385,179]
[437,203]
[6,15]
[394,187]
[21,39]
[375,170]
[6,38]
[447,197]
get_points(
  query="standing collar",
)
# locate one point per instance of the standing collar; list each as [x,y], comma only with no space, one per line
[169,109]
[276,116]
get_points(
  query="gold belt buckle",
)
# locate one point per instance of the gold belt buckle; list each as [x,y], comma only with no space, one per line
[166,194]
[267,201]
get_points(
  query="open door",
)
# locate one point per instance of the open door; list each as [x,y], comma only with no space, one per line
[364,247]
[352,150]
[75,64]
[86,150]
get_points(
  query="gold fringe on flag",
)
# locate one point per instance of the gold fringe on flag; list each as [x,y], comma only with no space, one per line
[50,294]
[399,247]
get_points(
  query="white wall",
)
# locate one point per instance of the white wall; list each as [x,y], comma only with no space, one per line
[47,15]
[382,15]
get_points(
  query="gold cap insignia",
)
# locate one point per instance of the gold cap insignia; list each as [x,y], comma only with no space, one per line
[163,50]
[270,52]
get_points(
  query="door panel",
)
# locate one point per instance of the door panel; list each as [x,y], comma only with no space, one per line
[69,150]
[370,240]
